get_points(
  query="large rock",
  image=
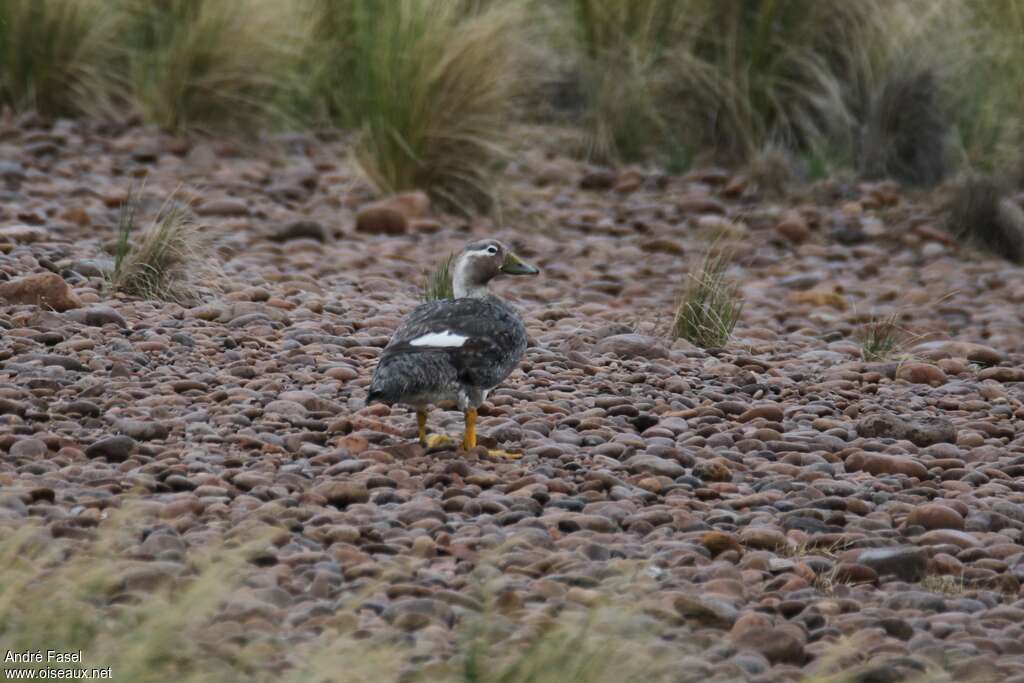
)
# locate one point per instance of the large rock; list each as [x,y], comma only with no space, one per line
[793,227]
[767,411]
[47,290]
[24,234]
[652,464]
[112,448]
[707,610]
[935,516]
[780,644]
[381,220]
[921,373]
[632,346]
[978,353]
[879,464]
[97,316]
[301,229]
[223,207]
[920,430]
[143,430]
[393,215]
[341,494]
[916,600]
[906,563]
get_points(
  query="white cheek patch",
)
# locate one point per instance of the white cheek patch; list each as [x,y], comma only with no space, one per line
[440,339]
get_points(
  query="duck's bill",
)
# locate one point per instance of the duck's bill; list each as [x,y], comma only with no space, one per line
[514,265]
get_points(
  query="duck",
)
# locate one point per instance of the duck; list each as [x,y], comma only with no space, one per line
[456,349]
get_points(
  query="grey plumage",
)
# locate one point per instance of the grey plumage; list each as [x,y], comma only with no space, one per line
[455,349]
[495,340]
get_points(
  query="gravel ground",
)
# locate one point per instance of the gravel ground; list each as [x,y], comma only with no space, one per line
[781,494]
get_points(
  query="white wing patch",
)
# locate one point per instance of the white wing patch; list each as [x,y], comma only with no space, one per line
[440,339]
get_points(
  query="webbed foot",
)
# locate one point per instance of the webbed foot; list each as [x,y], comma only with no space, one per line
[505,455]
[432,441]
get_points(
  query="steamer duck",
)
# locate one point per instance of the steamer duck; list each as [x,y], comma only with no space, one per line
[455,349]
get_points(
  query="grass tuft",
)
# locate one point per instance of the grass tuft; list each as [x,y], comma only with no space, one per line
[196,620]
[431,86]
[982,213]
[55,55]
[210,65]
[882,338]
[710,304]
[438,285]
[166,261]
[950,586]
[771,171]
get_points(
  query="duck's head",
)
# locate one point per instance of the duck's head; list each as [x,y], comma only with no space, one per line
[480,262]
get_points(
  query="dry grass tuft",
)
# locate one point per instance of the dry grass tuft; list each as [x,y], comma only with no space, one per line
[624,49]
[117,613]
[771,171]
[710,304]
[197,620]
[950,586]
[56,55]
[982,214]
[438,284]
[432,88]
[209,65]
[882,338]
[166,262]
[826,582]
[190,624]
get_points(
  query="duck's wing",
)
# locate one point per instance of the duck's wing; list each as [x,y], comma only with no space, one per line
[482,339]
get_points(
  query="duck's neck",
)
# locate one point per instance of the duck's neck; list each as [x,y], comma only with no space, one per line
[463,285]
[473,292]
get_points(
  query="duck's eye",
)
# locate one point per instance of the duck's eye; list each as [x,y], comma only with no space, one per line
[492,250]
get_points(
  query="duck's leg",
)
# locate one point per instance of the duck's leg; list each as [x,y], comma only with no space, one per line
[428,440]
[421,422]
[469,439]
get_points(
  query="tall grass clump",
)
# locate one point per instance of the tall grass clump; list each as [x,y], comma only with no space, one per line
[624,49]
[982,213]
[991,82]
[908,129]
[710,304]
[211,65]
[953,84]
[165,262]
[56,56]
[786,72]
[727,77]
[431,87]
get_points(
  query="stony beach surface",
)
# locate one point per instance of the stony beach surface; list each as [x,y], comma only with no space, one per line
[763,502]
